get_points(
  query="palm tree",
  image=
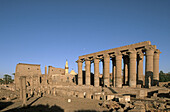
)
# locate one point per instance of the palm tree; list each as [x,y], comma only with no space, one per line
[7,78]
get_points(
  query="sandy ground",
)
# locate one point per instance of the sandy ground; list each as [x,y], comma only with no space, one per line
[57,103]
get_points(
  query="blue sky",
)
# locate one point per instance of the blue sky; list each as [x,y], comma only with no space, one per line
[48,32]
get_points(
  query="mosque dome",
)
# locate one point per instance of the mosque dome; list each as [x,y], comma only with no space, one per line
[73,72]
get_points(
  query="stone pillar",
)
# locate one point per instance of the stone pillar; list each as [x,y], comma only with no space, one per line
[39,92]
[156,67]
[45,70]
[32,82]
[132,57]
[23,78]
[113,71]
[45,80]
[149,65]
[88,71]
[126,59]
[102,79]
[96,72]
[140,68]
[54,91]
[21,89]
[149,82]
[106,70]
[36,82]
[80,75]
[118,75]
[31,92]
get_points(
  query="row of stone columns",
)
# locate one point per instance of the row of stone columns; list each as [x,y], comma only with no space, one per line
[133,68]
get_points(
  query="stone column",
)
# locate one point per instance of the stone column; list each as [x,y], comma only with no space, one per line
[132,57]
[106,70]
[156,67]
[88,71]
[32,82]
[102,79]
[45,70]
[118,75]
[39,92]
[96,72]
[125,81]
[54,91]
[80,75]
[140,68]
[21,89]
[31,92]
[113,71]
[23,78]
[36,82]
[149,65]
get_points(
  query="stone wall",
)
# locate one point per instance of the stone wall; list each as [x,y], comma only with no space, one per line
[53,70]
[28,70]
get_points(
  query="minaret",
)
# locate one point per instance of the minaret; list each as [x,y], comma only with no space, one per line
[66,67]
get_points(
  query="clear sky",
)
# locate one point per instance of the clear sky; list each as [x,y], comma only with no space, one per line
[48,32]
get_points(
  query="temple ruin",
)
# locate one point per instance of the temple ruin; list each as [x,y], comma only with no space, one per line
[35,79]
[133,63]
[118,82]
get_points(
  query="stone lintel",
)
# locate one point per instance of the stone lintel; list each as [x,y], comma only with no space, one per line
[123,48]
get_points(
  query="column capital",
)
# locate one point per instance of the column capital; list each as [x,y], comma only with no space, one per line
[87,59]
[141,54]
[118,55]
[150,50]
[112,55]
[150,47]
[96,60]
[132,51]
[106,58]
[79,61]
[156,54]
[106,55]
[157,51]
[96,57]
[124,53]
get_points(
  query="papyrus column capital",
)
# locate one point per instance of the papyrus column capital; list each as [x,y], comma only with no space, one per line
[118,55]
[150,50]
[79,61]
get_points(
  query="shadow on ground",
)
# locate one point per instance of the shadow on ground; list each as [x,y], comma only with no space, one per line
[5,104]
[113,91]
[88,111]
[37,108]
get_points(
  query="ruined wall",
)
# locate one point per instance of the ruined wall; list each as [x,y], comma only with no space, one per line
[28,70]
[59,78]
[53,70]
